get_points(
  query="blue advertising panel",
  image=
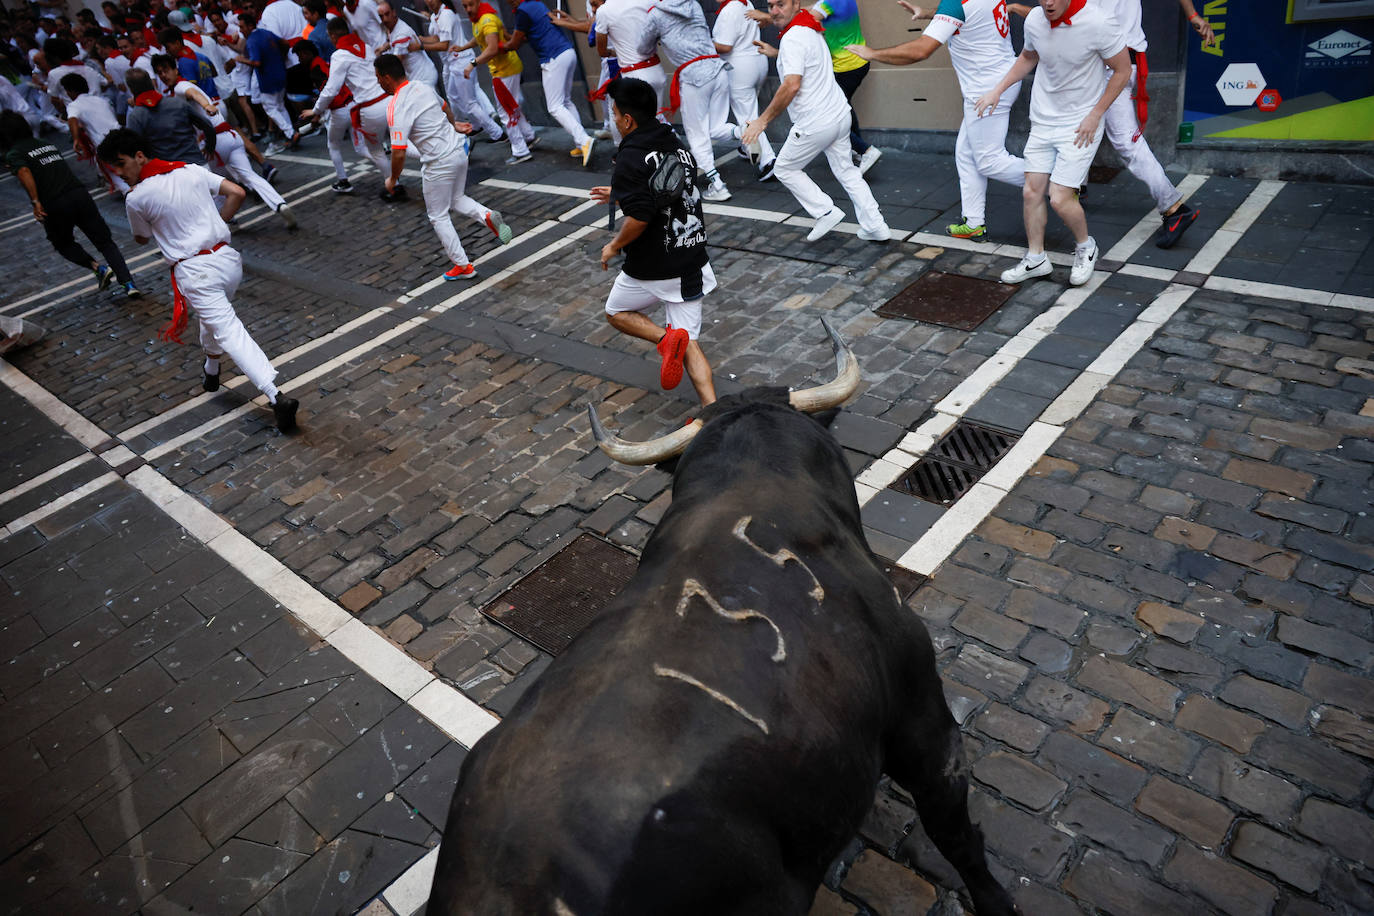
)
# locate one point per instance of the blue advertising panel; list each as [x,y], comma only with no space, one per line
[1282,70]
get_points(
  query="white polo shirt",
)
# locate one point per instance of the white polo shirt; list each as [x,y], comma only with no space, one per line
[191,94]
[416,115]
[417,63]
[446,26]
[95,114]
[1070,78]
[1127,16]
[737,30]
[367,23]
[284,19]
[347,68]
[623,23]
[177,210]
[820,102]
[94,81]
[978,35]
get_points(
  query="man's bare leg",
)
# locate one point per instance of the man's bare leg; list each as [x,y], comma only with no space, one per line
[1066,205]
[637,324]
[1033,210]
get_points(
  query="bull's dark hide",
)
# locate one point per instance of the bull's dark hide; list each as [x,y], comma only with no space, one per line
[712,741]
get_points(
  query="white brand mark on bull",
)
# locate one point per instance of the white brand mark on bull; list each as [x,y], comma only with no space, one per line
[714,694]
[780,558]
[692,588]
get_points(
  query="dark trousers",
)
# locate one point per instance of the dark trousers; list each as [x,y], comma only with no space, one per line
[75,210]
[849,84]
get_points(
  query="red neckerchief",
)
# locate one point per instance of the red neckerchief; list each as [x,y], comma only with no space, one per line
[193,38]
[150,99]
[333,10]
[187,53]
[111,55]
[352,44]
[138,52]
[154,167]
[1067,18]
[180,317]
[72,63]
[806,20]
[483,9]
[726,3]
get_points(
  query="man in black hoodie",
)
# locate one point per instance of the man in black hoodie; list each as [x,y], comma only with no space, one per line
[664,243]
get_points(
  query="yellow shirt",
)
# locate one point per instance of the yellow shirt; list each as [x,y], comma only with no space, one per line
[503,64]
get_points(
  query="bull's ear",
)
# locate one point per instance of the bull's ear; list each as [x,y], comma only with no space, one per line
[825,417]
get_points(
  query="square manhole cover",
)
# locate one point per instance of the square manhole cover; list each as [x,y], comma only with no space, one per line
[956,463]
[952,300]
[563,594]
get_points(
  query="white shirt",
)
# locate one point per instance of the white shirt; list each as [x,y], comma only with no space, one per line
[95,114]
[1127,16]
[177,210]
[191,94]
[416,115]
[116,67]
[1070,78]
[284,19]
[978,36]
[347,68]
[365,21]
[445,25]
[820,101]
[93,79]
[417,63]
[737,30]
[622,22]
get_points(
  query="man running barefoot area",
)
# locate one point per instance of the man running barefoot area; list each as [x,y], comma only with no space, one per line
[415,114]
[173,203]
[60,202]
[820,124]
[1067,40]
[664,241]
[978,35]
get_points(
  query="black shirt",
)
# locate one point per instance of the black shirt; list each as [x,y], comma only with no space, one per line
[674,242]
[51,174]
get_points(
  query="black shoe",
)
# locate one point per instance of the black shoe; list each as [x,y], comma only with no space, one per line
[269,172]
[342,186]
[285,412]
[210,382]
[388,196]
[401,192]
[500,139]
[766,170]
[1175,224]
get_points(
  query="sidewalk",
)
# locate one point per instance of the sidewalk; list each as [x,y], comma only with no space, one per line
[1153,614]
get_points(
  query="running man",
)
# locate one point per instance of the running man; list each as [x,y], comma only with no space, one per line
[620,34]
[734,35]
[415,114]
[448,37]
[1069,40]
[979,38]
[665,247]
[818,109]
[404,42]
[173,203]
[90,117]
[350,69]
[489,34]
[557,60]
[61,203]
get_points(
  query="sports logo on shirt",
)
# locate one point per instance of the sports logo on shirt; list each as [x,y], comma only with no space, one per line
[999,18]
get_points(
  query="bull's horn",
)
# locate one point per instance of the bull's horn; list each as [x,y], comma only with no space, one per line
[651,452]
[836,391]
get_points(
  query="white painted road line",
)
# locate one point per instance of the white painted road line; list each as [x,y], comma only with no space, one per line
[1290,293]
[17,491]
[1149,224]
[1225,238]
[66,499]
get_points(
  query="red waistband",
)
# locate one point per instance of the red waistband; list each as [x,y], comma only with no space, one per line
[372,101]
[224,128]
[651,62]
[205,251]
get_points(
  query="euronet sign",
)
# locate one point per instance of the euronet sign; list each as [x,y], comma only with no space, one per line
[1338,45]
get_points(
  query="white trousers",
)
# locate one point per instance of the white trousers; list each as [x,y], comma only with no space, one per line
[336,130]
[746,79]
[607,119]
[233,159]
[444,185]
[980,153]
[1124,133]
[518,128]
[467,98]
[705,112]
[208,281]
[373,142]
[655,77]
[801,147]
[274,103]
[557,75]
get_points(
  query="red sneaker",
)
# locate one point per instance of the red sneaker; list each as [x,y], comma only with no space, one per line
[461,272]
[673,347]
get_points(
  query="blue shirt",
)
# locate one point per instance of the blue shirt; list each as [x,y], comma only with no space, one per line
[319,37]
[199,71]
[263,47]
[547,39]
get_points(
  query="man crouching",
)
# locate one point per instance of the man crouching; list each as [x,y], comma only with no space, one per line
[173,204]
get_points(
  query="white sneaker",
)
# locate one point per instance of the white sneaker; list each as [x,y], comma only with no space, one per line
[1083,264]
[881,234]
[716,191]
[825,224]
[870,156]
[586,151]
[1026,269]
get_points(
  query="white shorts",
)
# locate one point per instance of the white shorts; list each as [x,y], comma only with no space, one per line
[631,295]
[1050,150]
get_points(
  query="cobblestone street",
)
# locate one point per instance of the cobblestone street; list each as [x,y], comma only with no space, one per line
[241,669]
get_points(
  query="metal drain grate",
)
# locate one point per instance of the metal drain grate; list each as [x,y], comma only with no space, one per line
[564,594]
[956,463]
[952,300]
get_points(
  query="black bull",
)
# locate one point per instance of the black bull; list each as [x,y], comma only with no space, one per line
[713,740]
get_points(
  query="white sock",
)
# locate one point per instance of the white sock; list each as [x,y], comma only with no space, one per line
[1034,257]
[271,391]
[211,365]
[1089,245]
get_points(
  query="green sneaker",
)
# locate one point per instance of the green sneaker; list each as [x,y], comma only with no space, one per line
[965,231]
